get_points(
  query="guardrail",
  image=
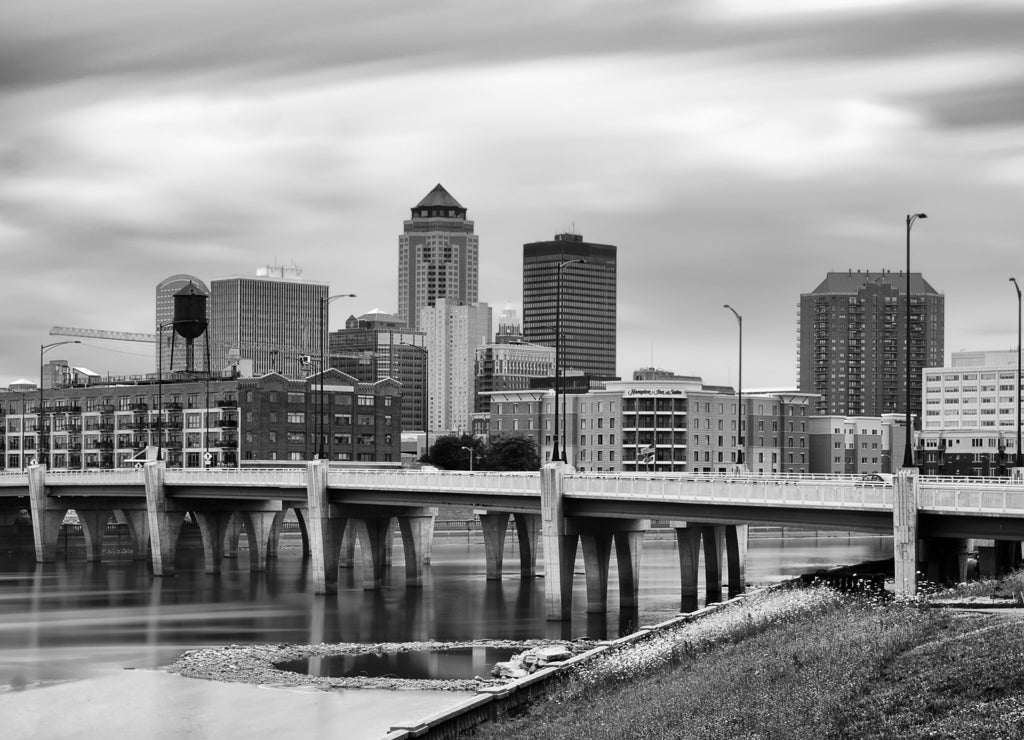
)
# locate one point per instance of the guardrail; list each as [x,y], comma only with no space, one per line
[453,481]
[257,477]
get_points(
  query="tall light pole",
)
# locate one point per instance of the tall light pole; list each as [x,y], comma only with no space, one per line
[908,454]
[470,451]
[558,350]
[426,392]
[325,302]
[1019,460]
[739,385]
[42,451]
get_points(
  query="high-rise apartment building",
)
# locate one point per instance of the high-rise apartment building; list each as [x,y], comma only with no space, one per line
[437,257]
[453,332]
[853,342]
[509,363]
[271,321]
[165,291]
[378,345]
[588,301]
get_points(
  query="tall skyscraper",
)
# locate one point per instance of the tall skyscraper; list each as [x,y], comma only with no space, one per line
[378,345]
[853,341]
[165,292]
[271,320]
[453,332]
[588,301]
[437,257]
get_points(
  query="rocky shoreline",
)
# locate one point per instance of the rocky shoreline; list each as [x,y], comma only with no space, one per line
[257,664]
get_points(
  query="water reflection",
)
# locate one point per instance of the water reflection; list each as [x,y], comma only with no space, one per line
[68,619]
[454,663]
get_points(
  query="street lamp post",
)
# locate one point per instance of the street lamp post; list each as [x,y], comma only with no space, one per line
[908,455]
[739,385]
[41,434]
[1019,459]
[558,350]
[325,302]
[470,451]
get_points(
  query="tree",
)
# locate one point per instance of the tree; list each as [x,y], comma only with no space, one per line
[514,452]
[447,453]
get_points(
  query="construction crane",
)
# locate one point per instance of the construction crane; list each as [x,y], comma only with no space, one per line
[121,336]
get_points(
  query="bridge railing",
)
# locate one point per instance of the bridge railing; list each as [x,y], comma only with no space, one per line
[257,477]
[115,477]
[983,497]
[526,483]
[829,491]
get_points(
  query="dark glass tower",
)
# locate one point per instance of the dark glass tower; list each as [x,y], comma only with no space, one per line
[588,301]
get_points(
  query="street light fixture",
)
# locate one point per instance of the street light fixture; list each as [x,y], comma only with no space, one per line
[739,385]
[1019,459]
[470,451]
[908,455]
[42,451]
[325,302]
[558,350]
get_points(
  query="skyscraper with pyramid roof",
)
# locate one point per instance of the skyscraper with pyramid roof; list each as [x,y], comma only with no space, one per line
[438,256]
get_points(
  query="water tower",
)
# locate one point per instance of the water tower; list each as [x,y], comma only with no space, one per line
[190,324]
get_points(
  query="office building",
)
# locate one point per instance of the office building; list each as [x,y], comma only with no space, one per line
[970,422]
[453,332]
[378,345]
[438,257]
[588,301]
[165,291]
[267,323]
[509,363]
[853,342]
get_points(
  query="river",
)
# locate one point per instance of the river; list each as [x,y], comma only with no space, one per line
[81,643]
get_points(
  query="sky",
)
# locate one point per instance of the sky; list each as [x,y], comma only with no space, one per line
[734,150]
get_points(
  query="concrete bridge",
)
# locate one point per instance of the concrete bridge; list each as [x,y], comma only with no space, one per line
[931,518]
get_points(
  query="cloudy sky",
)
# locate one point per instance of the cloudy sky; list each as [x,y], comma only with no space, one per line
[734,150]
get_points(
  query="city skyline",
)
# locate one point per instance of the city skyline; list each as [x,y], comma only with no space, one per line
[735,154]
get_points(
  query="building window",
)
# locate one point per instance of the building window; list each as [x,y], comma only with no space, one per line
[364,400]
[296,417]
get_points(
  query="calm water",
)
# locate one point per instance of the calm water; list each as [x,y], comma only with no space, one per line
[89,622]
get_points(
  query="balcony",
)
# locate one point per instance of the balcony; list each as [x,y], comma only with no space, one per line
[228,403]
[139,407]
[227,424]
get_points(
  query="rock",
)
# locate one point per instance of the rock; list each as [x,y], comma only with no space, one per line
[508,669]
[553,653]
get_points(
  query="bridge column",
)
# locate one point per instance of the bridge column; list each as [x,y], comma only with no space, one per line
[137,521]
[232,534]
[325,527]
[494,527]
[165,518]
[94,526]
[559,546]
[47,515]
[736,554]
[213,527]
[348,546]
[688,539]
[374,533]
[301,517]
[1006,556]
[945,559]
[527,527]
[274,537]
[416,527]
[904,525]
[628,546]
[714,552]
[597,548]
[258,526]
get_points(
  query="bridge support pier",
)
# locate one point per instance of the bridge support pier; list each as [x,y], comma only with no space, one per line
[94,527]
[528,528]
[904,525]
[559,544]
[165,519]
[47,515]
[721,542]
[276,527]
[232,535]
[348,546]
[325,526]
[137,521]
[258,526]
[417,527]
[597,536]
[736,552]
[1006,556]
[688,539]
[494,527]
[945,559]
[714,554]
[374,533]
[213,527]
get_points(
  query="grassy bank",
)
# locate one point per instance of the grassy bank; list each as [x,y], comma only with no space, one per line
[799,664]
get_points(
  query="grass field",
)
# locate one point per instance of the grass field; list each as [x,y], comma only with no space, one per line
[804,663]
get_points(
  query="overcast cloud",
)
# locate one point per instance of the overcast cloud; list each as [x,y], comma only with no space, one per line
[734,150]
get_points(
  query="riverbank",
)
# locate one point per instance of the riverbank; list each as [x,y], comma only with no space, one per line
[799,664]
